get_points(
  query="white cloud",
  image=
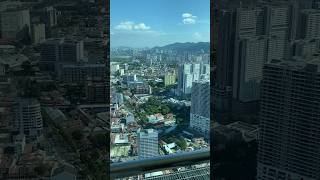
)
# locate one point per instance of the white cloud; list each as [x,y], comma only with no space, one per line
[189,21]
[188,18]
[188,15]
[130,25]
[197,35]
[127,25]
[141,26]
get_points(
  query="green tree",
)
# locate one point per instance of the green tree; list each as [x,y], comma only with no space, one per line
[77,135]
[182,144]
[165,109]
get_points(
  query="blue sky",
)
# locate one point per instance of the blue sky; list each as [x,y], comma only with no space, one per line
[149,23]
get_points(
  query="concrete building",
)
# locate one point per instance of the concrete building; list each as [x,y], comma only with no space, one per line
[289,120]
[130,78]
[169,79]
[94,50]
[79,73]
[13,22]
[183,71]
[310,24]
[247,72]
[187,83]
[196,71]
[225,54]
[205,68]
[200,108]
[117,98]
[6,5]
[114,67]
[59,51]
[129,118]
[247,38]
[305,47]
[96,90]
[38,33]
[277,29]
[50,16]
[27,118]
[148,145]
[143,89]
[187,74]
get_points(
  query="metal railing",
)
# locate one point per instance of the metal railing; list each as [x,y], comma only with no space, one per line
[137,167]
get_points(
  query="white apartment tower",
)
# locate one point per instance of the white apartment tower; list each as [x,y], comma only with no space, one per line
[148,144]
[27,118]
[200,108]
[188,73]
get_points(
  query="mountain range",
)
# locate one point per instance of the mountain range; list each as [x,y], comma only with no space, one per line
[188,46]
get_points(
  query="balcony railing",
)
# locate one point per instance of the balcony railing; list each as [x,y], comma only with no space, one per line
[137,167]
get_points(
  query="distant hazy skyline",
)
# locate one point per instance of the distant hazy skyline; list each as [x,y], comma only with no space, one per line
[149,23]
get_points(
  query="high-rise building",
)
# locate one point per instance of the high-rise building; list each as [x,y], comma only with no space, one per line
[169,79]
[225,53]
[50,16]
[38,33]
[247,38]
[200,108]
[196,71]
[27,118]
[205,68]
[79,73]
[277,31]
[310,24]
[183,69]
[114,67]
[13,22]
[188,73]
[289,120]
[305,47]
[187,83]
[248,69]
[250,48]
[59,51]
[148,145]
[70,50]
[96,90]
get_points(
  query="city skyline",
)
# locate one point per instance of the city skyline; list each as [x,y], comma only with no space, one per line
[149,24]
